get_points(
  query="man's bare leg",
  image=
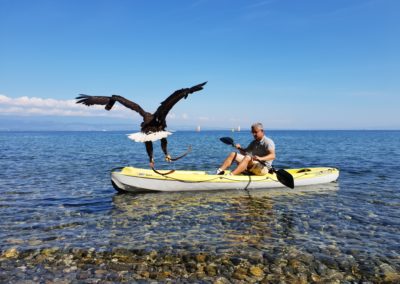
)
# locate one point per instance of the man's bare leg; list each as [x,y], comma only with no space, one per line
[228,161]
[242,165]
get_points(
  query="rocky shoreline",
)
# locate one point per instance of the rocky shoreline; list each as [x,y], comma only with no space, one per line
[55,265]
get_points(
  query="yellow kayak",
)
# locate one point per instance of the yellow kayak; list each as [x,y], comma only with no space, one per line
[131,179]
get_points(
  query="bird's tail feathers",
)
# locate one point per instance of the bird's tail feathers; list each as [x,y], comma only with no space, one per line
[151,136]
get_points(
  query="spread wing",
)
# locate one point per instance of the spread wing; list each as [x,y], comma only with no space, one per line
[92,100]
[162,111]
[109,102]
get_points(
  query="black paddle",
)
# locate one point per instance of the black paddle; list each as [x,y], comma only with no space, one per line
[283,176]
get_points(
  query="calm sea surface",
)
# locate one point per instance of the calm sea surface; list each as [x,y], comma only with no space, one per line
[61,219]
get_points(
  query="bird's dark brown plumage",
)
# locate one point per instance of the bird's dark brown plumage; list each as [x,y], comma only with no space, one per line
[151,122]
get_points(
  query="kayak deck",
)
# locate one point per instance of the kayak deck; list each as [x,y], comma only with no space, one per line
[133,179]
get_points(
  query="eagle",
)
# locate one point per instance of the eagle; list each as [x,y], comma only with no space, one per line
[153,125]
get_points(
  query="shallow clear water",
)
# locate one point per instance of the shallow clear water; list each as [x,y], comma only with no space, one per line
[56,193]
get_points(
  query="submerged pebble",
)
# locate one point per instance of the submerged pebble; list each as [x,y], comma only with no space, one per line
[11,253]
[131,265]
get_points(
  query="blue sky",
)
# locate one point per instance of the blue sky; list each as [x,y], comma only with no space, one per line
[311,64]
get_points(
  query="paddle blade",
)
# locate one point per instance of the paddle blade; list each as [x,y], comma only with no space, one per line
[285,178]
[227,140]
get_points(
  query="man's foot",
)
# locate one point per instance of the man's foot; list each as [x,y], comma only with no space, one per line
[219,172]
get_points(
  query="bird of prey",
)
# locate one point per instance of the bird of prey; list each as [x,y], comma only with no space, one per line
[153,125]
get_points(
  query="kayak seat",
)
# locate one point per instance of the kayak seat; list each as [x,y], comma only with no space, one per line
[303,171]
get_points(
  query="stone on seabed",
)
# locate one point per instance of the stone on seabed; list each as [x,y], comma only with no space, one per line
[257,271]
[11,253]
[221,280]
[390,274]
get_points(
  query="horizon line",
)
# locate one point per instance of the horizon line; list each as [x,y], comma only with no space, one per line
[189,130]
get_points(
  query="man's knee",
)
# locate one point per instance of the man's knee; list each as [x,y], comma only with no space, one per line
[247,158]
[233,155]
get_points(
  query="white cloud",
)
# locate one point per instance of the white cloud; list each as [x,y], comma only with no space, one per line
[32,106]
[171,115]
[176,117]
[39,107]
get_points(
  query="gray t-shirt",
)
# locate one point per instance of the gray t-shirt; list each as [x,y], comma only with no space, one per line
[261,148]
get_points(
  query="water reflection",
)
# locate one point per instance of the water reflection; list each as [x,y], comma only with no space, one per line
[203,221]
[250,219]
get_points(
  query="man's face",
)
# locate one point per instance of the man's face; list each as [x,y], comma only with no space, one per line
[258,133]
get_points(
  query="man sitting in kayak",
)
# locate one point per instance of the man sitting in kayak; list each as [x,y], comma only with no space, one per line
[256,158]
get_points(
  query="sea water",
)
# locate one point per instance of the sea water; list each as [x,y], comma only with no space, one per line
[60,217]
